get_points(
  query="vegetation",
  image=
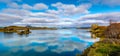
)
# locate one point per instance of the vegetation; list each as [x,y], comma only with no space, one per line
[97,31]
[112,31]
[23,30]
[106,47]
[15,29]
[109,45]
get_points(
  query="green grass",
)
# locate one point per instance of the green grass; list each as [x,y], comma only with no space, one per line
[103,49]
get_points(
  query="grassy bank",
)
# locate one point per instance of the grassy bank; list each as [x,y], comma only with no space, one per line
[106,47]
[109,44]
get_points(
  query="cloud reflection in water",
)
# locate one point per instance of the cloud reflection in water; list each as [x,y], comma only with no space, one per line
[41,40]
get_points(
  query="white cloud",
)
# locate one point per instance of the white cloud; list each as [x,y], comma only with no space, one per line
[65,15]
[107,2]
[37,6]
[111,2]
[39,20]
[47,22]
[102,16]
[44,15]
[40,6]
[99,18]
[70,9]
[20,12]
[53,20]
[26,6]
[13,5]
[48,18]
[44,19]
[10,1]
[53,12]
[93,21]
[9,19]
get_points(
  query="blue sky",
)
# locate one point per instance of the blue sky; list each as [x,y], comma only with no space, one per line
[55,13]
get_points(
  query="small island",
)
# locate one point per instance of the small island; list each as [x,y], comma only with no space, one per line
[22,29]
[15,29]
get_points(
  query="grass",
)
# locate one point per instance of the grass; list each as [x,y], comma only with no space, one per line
[105,47]
[102,48]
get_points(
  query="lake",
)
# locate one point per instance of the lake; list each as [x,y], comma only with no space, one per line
[61,42]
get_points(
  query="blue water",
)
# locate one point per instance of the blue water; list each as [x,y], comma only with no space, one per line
[62,42]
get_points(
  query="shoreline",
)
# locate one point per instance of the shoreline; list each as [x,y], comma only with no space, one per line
[106,47]
[109,44]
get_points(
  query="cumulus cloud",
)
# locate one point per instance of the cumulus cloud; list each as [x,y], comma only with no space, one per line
[102,2]
[39,20]
[20,12]
[50,17]
[64,15]
[44,20]
[26,6]
[9,19]
[37,6]
[53,12]
[106,2]
[44,15]
[10,1]
[70,9]
[13,5]
[47,22]
[40,6]
[53,20]
[99,18]
[102,16]
[93,21]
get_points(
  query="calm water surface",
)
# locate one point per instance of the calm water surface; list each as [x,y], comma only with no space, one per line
[63,42]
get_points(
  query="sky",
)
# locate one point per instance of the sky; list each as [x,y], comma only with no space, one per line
[59,13]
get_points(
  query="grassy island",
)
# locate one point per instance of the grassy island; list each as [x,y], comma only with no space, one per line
[109,44]
[15,29]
